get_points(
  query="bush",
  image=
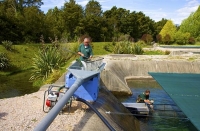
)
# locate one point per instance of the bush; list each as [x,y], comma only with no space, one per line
[124,47]
[147,38]
[7,44]
[4,61]
[46,62]
[138,49]
[127,47]
[108,47]
[191,40]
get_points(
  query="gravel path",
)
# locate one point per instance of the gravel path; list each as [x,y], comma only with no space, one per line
[25,112]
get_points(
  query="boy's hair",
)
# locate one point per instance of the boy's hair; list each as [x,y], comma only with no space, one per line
[147,91]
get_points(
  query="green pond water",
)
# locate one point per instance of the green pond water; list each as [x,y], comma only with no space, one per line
[166,115]
[16,85]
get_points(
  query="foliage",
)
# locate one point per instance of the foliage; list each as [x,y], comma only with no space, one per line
[159,25]
[4,61]
[93,8]
[127,47]
[182,38]
[147,38]
[56,25]
[125,37]
[191,40]
[24,22]
[124,47]
[53,77]
[138,49]
[8,45]
[192,24]
[69,50]
[46,62]
[159,38]
[154,52]
[168,32]
[167,39]
[72,14]
[108,47]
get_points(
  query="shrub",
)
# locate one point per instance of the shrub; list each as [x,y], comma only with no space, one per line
[125,37]
[147,38]
[159,38]
[191,40]
[4,61]
[46,62]
[124,47]
[127,47]
[108,47]
[167,52]
[138,49]
[7,44]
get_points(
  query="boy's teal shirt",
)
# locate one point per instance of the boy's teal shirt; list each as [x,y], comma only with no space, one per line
[143,96]
[87,51]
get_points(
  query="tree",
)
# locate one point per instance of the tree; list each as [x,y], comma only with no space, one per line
[93,20]
[192,24]
[18,5]
[32,28]
[147,38]
[55,23]
[168,32]
[72,15]
[159,38]
[117,19]
[93,8]
[159,25]
[167,39]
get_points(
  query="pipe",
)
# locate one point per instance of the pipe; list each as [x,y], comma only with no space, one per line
[97,112]
[48,119]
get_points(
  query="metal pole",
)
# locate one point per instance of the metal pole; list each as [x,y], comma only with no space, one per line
[48,119]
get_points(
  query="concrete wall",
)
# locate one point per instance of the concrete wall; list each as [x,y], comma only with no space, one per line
[119,68]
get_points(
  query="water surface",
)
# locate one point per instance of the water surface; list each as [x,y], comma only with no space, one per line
[16,85]
[166,115]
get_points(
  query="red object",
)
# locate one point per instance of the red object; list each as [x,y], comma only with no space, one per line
[48,103]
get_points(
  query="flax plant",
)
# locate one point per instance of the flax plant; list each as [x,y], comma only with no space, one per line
[4,61]
[46,62]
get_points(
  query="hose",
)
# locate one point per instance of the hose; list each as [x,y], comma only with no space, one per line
[97,112]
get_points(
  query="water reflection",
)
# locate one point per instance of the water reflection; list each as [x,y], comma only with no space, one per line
[16,85]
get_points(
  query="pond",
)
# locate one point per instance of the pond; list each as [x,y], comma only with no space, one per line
[166,115]
[16,85]
[181,46]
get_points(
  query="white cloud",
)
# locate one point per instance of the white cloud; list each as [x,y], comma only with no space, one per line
[83,3]
[190,6]
[53,3]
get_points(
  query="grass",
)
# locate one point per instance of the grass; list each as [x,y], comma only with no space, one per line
[98,48]
[20,58]
[156,52]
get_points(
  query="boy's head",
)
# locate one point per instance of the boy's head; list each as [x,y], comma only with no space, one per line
[147,92]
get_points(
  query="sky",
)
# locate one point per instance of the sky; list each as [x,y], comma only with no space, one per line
[175,10]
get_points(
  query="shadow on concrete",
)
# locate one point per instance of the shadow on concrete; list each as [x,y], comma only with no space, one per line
[3,114]
[118,117]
